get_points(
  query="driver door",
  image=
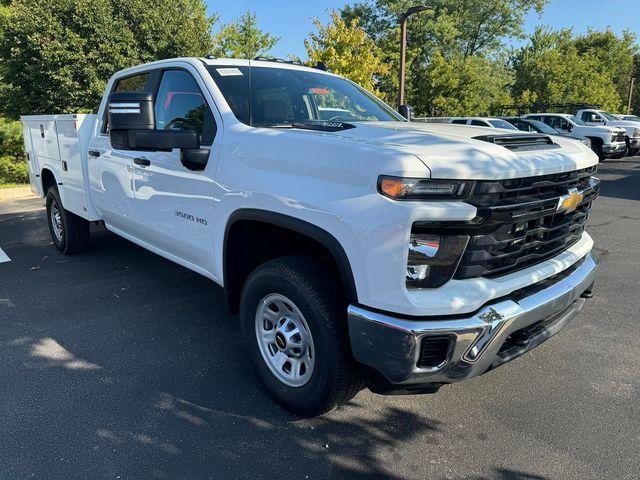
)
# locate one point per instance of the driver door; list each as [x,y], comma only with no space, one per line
[173,204]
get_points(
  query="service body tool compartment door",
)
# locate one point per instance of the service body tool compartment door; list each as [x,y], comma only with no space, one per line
[32,160]
[73,135]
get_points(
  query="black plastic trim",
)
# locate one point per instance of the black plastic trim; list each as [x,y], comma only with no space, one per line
[299,226]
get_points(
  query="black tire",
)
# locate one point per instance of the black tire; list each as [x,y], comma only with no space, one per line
[314,289]
[633,152]
[71,233]
[596,146]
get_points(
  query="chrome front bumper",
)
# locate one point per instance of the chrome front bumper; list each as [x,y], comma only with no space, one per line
[614,147]
[392,346]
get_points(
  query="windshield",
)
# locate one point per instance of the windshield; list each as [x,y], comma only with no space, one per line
[576,120]
[608,116]
[502,124]
[542,127]
[267,96]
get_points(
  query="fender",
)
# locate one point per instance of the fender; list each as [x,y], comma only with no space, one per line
[301,227]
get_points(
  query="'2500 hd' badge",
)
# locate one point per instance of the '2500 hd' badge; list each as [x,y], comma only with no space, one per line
[188,216]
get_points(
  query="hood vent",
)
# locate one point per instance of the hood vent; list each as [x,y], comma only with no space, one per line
[519,142]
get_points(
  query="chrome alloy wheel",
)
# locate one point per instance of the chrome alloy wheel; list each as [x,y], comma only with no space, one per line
[285,340]
[56,221]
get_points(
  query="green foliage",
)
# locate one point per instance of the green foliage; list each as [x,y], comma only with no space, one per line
[461,86]
[614,56]
[346,50]
[451,50]
[555,67]
[243,39]
[13,168]
[57,55]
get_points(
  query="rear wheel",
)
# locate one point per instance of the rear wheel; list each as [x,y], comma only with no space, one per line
[633,152]
[294,323]
[69,232]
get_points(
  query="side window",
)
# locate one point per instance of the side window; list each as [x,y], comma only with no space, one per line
[479,123]
[134,83]
[459,122]
[180,106]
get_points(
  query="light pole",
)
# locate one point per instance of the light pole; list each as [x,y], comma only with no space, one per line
[403,45]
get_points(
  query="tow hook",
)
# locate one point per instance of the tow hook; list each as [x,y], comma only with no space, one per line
[588,293]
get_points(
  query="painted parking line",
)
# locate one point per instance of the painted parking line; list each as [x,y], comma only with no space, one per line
[4,257]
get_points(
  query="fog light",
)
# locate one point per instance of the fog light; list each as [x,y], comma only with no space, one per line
[433,259]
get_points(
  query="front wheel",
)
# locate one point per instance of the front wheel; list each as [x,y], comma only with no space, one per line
[69,232]
[294,323]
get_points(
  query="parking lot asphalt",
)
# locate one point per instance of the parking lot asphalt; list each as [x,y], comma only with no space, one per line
[118,364]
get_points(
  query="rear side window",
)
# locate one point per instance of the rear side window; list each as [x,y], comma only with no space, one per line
[479,123]
[135,83]
[459,122]
[180,106]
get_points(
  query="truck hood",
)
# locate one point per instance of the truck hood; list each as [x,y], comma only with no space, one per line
[626,124]
[450,151]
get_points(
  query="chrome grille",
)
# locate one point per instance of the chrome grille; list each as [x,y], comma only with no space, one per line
[521,224]
[618,137]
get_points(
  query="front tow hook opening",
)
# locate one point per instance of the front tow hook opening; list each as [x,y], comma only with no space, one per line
[588,293]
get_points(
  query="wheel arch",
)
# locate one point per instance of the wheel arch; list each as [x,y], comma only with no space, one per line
[241,253]
[48,180]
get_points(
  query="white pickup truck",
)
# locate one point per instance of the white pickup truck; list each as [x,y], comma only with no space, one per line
[606,142]
[596,117]
[359,249]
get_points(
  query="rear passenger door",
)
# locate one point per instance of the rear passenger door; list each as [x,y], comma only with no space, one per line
[174,206]
[110,169]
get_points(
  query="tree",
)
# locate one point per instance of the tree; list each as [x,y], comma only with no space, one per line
[57,55]
[615,56]
[555,68]
[467,34]
[462,86]
[243,39]
[346,50]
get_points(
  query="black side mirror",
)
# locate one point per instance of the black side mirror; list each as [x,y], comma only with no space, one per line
[406,111]
[131,111]
[569,127]
[132,125]
[195,158]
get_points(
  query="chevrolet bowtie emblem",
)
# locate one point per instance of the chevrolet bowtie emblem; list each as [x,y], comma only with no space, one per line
[569,202]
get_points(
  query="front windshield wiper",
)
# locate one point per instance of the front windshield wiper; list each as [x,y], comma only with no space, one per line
[323,125]
[320,125]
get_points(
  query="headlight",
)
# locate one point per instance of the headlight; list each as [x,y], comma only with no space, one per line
[636,132]
[433,259]
[586,141]
[400,188]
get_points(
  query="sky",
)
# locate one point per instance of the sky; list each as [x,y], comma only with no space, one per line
[291,19]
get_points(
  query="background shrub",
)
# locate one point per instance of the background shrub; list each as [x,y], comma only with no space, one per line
[13,168]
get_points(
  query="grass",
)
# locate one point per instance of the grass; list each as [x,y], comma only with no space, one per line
[13,185]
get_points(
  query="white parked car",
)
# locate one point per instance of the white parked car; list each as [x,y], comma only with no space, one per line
[631,126]
[606,142]
[483,122]
[371,251]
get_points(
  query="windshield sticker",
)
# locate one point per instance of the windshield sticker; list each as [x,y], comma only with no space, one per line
[228,72]
[319,91]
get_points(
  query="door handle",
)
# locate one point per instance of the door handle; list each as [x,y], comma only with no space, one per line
[145,162]
[94,153]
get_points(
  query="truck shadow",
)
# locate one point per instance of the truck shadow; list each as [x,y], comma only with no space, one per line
[140,372]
